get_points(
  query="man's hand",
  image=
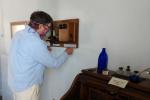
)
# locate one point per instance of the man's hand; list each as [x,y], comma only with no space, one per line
[49,48]
[69,51]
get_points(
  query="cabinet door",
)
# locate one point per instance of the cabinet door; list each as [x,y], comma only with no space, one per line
[95,94]
[127,95]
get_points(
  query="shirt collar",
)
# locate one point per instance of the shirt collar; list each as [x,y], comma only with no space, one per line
[31,30]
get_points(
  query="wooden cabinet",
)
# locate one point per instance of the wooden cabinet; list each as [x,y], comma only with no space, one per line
[88,85]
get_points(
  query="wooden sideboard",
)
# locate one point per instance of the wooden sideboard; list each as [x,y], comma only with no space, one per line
[89,85]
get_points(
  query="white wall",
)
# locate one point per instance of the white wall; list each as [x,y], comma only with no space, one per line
[122,26]
[0,43]
[6,92]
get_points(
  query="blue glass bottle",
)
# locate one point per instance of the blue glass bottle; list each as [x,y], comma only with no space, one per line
[102,61]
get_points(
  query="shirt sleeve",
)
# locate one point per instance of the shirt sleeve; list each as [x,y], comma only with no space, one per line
[40,53]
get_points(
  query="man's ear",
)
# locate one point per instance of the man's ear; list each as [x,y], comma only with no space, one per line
[39,28]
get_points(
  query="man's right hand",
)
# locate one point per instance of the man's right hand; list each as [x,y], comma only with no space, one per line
[69,51]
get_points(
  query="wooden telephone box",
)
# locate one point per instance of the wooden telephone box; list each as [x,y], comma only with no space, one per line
[64,33]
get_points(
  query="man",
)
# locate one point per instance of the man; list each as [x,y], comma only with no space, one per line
[29,56]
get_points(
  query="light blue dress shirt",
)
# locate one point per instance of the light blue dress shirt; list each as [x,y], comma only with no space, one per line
[28,57]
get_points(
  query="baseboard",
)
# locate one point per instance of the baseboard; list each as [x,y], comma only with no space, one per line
[0,97]
[0,92]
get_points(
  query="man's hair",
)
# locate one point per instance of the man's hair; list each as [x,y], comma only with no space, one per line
[39,17]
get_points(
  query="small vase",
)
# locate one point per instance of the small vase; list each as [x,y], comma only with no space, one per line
[102,61]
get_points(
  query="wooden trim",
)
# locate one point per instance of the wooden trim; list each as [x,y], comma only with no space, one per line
[15,23]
